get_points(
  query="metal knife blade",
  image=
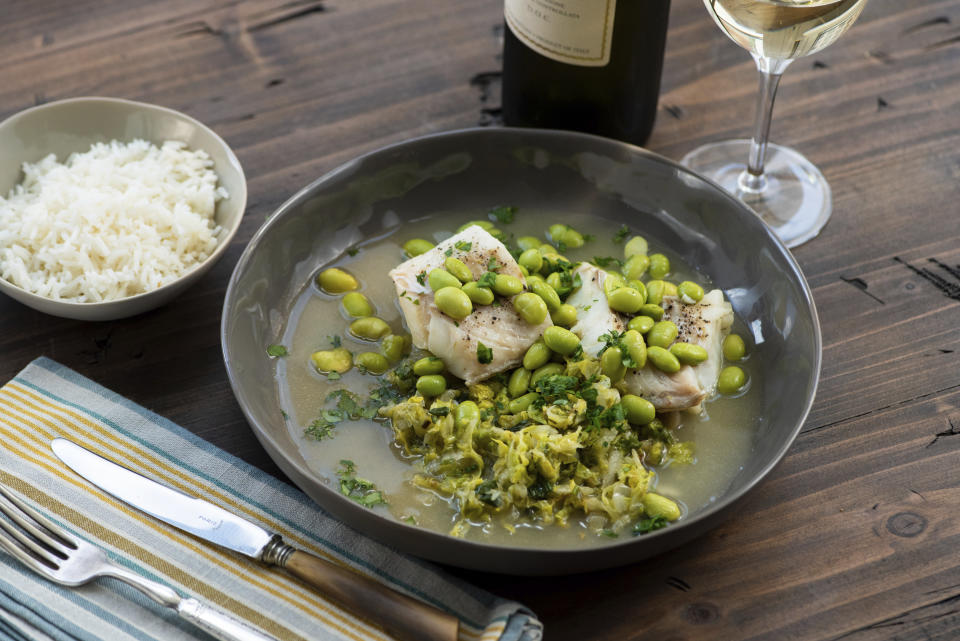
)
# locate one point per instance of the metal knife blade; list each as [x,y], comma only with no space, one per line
[193,515]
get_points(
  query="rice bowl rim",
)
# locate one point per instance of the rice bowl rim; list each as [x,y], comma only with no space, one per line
[137,302]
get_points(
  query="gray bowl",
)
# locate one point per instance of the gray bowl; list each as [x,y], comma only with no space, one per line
[711,231]
[73,125]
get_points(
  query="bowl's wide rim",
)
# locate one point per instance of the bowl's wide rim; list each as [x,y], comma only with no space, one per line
[74,307]
[660,539]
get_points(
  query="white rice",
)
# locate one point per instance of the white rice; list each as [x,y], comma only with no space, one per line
[118,220]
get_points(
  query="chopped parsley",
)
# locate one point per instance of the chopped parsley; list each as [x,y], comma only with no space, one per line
[422,278]
[487,280]
[588,237]
[615,339]
[360,490]
[643,526]
[484,353]
[503,214]
[277,350]
[333,376]
[347,407]
[493,264]
[448,251]
[621,234]
[353,251]
[334,340]
[284,414]
[463,245]
[440,410]
[606,261]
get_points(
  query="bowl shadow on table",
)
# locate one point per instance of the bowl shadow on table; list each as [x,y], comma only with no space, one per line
[472,170]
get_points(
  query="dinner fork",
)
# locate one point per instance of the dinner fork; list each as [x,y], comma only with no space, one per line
[51,551]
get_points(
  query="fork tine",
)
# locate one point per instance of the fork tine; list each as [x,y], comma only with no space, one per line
[19,553]
[30,535]
[63,538]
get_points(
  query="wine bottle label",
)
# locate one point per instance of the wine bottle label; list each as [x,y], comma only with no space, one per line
[577,32]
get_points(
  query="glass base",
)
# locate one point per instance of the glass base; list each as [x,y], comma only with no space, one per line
[792,197]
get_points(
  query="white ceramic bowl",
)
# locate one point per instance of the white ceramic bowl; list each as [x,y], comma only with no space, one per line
[73,125]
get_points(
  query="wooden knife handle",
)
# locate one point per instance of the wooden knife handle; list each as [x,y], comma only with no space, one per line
[404,617]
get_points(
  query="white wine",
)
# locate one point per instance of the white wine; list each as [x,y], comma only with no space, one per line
[784,29]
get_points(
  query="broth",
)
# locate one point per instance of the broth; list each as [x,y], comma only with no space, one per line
[722,435]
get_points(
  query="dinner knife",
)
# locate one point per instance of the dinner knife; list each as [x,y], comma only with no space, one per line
[400,615]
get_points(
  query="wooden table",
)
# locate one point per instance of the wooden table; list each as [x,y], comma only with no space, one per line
[856,535]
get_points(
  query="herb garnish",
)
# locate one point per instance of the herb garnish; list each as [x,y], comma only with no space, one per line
[621,234]
[353,251]
[334,340]
[347,407]
[644,526]
[606,261]
[503,214]
[448,251]
[487,280]
[484,353]
[440,410]
[422,278]
[463,245]
[360,490]
[493,264]
[277,350]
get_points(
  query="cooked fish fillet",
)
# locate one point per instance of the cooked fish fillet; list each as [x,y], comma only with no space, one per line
[594,316]
[706,324]
[498,327]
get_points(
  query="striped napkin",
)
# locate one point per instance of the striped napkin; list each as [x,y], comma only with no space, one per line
[47,400]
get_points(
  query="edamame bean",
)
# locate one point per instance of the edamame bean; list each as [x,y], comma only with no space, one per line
[642,324]
[477,294]
[372,362]
[453,302]
[734,348]
[395,346]
[669,289]
[613,281]
[522,403]
[561,340]
[507,285]
[653,311]
[460,271]
[417,246]
[635,246]
[566,235]
[611,364]
[655,291]
[556,282]
[547,248]
[640,287]
[636,266]
[428,365]
[431,385]
[336,281]
[369,328]
[550,369]
[483,224]
[467,412]
[731,380]
[625,299]
[662,359]
[663,334]
[688,353]
[440,278]
[531,308]
[531,259]
[356,304]
[547,293]
[690,292]
[656,505]
[636,347]
[537,356]
[659,266]
[523,270]
[528,242]
[639,410]
[338,360]
[519,382]
[564,316]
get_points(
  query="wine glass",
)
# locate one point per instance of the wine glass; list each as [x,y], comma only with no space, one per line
[785,189]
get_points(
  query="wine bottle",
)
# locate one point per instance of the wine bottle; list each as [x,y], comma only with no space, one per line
[587,65]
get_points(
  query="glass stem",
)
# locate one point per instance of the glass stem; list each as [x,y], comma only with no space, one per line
[752,180]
